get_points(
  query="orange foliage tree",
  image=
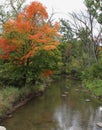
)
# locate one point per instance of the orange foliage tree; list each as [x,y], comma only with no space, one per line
[31,31]
[28,34]
[5,48]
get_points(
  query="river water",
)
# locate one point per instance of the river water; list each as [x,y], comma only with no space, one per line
[56,110]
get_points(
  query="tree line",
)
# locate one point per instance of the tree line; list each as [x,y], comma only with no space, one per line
[33,47]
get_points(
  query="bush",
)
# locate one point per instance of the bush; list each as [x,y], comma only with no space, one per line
[94,72]
[95,86]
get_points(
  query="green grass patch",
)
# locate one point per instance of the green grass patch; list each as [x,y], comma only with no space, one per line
[11,95]
[7,97]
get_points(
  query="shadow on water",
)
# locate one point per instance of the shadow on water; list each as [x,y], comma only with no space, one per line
[62,107]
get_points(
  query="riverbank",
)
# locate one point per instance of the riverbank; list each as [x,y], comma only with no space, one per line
[54,111]
[12,98]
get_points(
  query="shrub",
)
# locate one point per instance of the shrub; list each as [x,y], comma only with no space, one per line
[95,86]
[94,72]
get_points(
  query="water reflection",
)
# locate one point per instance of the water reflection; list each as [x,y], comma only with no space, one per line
[76,114]
[67,119]
[54,112]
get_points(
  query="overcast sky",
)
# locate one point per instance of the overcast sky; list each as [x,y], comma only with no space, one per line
[62,7]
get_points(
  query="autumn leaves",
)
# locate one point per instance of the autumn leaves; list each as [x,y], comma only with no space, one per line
[31,30]
[25,39]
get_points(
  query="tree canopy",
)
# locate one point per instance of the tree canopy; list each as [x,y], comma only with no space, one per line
[28,35]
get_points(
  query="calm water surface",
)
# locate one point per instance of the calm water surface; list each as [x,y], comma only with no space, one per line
[55,111]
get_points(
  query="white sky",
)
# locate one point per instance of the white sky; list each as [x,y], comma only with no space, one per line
[62,7]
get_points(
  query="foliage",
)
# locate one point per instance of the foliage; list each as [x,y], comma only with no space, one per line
[28,45]
[93,72]
[95,8]
[92,77]
[84,50]
[11,75]
[95,86]
[66,31]
[66,45]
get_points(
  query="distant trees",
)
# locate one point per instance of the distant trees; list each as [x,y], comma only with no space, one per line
[80,38]
[66,44]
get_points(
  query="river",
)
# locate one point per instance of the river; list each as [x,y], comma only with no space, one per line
[64,106]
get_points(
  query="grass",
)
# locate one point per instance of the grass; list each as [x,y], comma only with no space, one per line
[11,95]
[7,97]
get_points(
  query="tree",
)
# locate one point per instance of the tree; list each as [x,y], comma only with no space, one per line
[30,33]
[66,30]
[83,27]
[86,24]
[95,8]
[66,43]
[10,8]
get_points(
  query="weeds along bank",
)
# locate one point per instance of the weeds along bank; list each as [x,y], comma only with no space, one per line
[12,97]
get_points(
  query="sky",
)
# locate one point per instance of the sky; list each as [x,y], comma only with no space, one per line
[61,8]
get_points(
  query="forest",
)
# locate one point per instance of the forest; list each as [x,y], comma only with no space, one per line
[35,50]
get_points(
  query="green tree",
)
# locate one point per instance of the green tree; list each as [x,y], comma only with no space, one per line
[95,8]
[66,43]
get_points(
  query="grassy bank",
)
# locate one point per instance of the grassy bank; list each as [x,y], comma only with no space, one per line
[12,97]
